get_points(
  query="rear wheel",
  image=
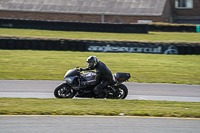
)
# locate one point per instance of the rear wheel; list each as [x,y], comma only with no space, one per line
[121,92]
[64,91]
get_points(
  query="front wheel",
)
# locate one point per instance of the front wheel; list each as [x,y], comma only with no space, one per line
[121,92]
[64,91]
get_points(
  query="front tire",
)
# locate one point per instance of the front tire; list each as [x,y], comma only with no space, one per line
[64,91]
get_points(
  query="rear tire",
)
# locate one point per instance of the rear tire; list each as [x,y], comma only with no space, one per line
[121,92]
[64,91]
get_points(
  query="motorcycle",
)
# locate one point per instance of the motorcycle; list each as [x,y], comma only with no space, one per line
[72,87]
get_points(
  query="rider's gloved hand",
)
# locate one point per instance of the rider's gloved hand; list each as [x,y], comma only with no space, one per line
[81,69]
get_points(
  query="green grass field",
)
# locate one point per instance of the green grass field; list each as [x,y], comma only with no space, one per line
[152,36]
[156,68]
[148,68]
[52,65]
[28,106]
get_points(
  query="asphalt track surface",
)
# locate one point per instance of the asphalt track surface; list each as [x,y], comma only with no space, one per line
[94,124]
[139,91]
[99,124]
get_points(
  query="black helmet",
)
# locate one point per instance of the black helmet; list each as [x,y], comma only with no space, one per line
[92,61]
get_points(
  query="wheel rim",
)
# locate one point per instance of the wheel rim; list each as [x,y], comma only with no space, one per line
[121,93]
[65,92]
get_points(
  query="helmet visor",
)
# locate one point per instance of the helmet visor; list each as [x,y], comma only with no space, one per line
[90,64]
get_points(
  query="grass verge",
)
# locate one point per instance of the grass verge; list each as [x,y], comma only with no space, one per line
[30,106]
[152,36]
[52,65]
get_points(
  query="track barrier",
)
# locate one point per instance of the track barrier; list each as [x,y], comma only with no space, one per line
[100,46]
[73,26]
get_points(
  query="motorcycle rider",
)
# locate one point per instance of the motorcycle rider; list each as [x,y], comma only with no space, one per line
[103,76]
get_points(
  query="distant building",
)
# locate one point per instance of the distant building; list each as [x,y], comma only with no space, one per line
[109,11]
[186,11]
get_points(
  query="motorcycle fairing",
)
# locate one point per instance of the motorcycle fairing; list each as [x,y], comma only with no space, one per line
[89,75]
[70,80]
[71,72]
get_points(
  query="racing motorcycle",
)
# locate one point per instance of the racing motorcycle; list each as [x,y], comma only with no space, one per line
[72,87]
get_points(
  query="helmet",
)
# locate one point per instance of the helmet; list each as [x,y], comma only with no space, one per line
[92,61]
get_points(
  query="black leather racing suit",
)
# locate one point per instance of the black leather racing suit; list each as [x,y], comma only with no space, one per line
[103,77]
